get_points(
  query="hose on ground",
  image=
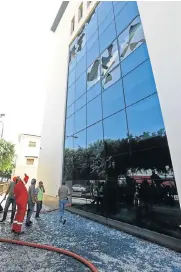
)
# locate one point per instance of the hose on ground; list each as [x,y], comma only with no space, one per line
[53,249]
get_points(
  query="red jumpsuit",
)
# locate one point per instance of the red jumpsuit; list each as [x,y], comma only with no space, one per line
[21,198]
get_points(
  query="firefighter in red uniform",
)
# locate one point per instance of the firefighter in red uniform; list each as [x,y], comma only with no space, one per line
[21,198]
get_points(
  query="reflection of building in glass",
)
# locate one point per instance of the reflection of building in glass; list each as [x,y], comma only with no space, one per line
[113,114]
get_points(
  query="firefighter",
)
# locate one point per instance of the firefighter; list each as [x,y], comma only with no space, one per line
[21,198]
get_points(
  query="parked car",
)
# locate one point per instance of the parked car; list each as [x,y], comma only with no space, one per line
[79,188]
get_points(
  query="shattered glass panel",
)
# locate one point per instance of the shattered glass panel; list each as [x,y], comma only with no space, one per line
[93,74]
[111,77]
[131,38]
[81,39]
[109,58]
[72,50]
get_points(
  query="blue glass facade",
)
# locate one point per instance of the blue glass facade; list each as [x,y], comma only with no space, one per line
[114,125]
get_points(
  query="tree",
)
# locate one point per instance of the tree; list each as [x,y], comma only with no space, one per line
[7,154]
[135,153]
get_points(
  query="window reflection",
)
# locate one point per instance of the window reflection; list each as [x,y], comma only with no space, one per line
[81,66]
[118,6]
[145,118]
[93,53]
[115,134]
[72,50]
[71,77]
[79,103]
[81,54]
[80,85]
[113,99]
[80,119]
[131,38]
[134,59]
[127,14]
[115,127]
[109,58]
[94,91]
[106,23]
[72,65]
[107,36]
[80,156]
[69,126]
[94,134]
[71,95]
[139,83]
[104,9]
[70,110]
[100,150]
[93,74]
[81,40]
[94,111]
[91,25]
[68,142]
[111,77]
[80,140]
[95,151]
[93,39]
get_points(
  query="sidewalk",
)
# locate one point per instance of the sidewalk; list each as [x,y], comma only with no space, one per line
[108,249]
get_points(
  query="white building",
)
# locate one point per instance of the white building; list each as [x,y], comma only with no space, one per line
[160,21]
[27,155]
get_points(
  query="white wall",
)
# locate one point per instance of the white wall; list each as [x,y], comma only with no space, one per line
[161,23]
[23,153]
[51,153]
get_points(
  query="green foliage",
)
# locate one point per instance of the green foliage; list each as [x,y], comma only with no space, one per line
[7,153]
[148,151]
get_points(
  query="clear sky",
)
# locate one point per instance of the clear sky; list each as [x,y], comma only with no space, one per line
[24,45]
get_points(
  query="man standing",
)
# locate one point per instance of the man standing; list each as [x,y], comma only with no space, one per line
[21,198]
[40,190]
[10,200]
[63,194]
[31,202]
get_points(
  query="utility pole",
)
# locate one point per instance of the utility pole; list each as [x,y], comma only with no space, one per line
[2,130]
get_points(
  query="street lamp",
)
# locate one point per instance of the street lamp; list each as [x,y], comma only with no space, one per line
[2,129]
[2,115]
[71,136]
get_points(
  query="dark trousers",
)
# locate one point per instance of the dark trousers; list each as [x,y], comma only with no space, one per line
[30,211]
[38,208]
[9,201]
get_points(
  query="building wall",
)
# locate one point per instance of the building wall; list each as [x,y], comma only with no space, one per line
[52,141]
[24,152]
[161,21]
[51,155]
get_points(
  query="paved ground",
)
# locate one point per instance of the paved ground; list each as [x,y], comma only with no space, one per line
[108,249]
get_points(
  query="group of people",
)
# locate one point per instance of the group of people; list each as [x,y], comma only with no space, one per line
[20,197]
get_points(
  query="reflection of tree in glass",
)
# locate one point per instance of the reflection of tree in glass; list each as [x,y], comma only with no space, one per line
[147,153]
[94,71]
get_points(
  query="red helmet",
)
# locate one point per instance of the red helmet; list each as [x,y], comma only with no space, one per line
[26,178]
[15,179]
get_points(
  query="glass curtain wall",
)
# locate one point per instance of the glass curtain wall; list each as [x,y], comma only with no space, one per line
[116,151]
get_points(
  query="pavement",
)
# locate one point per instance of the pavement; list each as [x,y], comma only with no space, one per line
[108,249]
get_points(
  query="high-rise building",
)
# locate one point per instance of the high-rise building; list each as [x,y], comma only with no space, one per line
[111,126]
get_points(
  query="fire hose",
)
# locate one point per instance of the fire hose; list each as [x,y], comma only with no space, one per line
[53,249]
